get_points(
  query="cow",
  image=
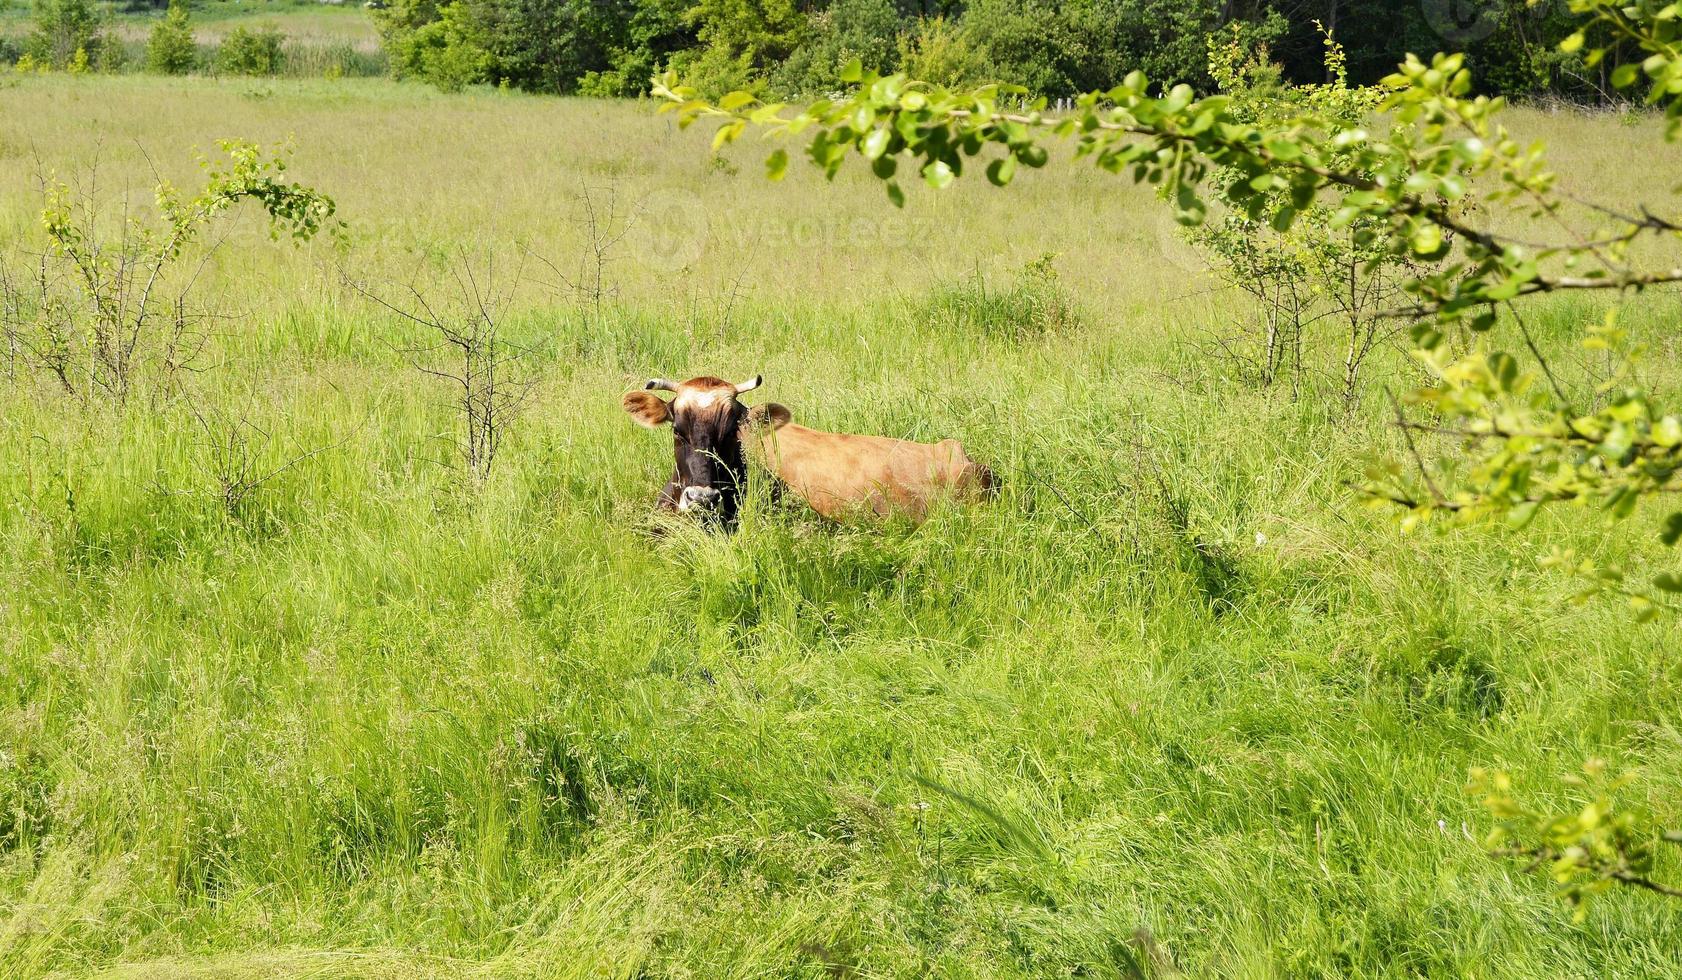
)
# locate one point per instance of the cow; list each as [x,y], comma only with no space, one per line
[839,475]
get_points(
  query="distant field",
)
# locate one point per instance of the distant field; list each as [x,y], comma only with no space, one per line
[316,23]
[1175,681]
[350,21]
[316,35]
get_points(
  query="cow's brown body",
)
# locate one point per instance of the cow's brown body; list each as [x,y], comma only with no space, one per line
[843,475]
[840,475]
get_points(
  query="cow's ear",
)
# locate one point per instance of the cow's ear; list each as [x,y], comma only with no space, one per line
[770,414]
[650,411]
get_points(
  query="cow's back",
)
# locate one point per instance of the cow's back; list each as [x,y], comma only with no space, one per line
[840,474]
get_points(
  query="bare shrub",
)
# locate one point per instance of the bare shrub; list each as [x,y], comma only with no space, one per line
[491,377]
[233,460]
[605,220]
[107,302]
[1325,283]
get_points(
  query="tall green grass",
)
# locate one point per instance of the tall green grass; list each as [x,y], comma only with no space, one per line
[1173,698]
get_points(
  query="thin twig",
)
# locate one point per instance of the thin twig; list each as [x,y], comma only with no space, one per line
[1419,460]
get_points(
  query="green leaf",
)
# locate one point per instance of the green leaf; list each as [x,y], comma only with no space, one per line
[877,142]
[1427,239]
[727,134]
[735,100]
[1000,171]
[853,71]
[938,175]
[1667,432]
[1672,530]
[895,194]
[1302,193]
[776,165]
[1505,368]
[1504,290]
[1620,503]
[1189,208]
[1614,445]
[1522,514]
[1668,581]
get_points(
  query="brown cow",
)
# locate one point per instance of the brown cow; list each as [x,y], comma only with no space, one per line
[837,474]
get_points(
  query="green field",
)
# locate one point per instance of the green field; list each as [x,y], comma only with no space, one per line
[318,39]
[1176,700]
[302,18]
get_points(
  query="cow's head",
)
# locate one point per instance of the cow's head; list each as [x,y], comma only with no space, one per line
[706,421]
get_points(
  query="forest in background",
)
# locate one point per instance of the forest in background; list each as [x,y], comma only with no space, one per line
[785,48]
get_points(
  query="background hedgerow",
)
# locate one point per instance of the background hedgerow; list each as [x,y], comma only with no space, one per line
[611,48]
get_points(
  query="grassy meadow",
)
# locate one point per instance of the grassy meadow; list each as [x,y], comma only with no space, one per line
[1174,702]
[318,40]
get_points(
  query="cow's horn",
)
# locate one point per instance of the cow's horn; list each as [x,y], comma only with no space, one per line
[659,384]
[751,384]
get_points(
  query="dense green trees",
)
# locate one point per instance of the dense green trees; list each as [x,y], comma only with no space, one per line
[68,34]
[867,30]
[1511,46]
[788,48]
[248,51]
[597,47]
[171,50]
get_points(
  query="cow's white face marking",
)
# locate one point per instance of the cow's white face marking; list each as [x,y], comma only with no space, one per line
[697,399]
[705,419]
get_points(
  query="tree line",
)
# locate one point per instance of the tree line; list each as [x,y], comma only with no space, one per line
[1055,48]
[793,48]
